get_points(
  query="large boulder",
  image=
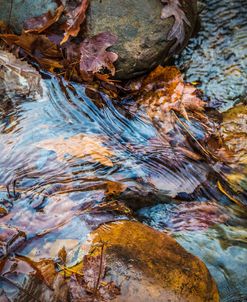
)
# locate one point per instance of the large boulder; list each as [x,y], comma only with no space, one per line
[142,34]
[151,266]
[143,41]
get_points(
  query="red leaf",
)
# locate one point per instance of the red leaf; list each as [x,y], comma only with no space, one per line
[75,18]
[94,56]
[41,23]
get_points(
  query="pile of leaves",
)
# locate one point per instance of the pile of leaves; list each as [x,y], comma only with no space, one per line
[58,46]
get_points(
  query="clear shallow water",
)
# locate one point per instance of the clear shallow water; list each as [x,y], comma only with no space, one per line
[59,188]
[68,153]
[217,56]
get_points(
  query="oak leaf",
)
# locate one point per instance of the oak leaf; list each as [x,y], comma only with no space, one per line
[164,90]
[94,56]
[173,9]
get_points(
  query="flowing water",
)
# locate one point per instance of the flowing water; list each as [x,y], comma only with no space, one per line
[67,157]
[217,56]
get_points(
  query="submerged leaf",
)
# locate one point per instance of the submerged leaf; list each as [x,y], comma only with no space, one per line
[94,56]
[75,18]
[173,9]
[80,146]
[41,23]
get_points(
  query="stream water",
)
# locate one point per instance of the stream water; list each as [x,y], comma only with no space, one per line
[66,154]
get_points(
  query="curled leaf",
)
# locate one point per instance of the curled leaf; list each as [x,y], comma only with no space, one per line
[62,254]
[75,18]
[39,47]
[41,23]
[94,56]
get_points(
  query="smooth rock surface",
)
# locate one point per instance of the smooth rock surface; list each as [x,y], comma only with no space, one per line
[149,265]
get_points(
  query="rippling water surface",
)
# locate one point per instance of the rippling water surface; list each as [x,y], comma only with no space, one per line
[217,56]
[74,159]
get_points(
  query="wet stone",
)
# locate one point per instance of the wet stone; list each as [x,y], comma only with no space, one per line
[151,270]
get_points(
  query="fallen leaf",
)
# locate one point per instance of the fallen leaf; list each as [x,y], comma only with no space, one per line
[75,18]
[46,270]
[94,270]
[164,90]
[39,47]
[80,146]
[173,9]
[94,56]
[41,23]
[19,77]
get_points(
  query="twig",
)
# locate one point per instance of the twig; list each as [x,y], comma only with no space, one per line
[10,11]
[100,272]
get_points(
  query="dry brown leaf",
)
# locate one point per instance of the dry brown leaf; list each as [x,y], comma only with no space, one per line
[164,90]
[75,18]
[39,47]
[41,23]
[62,254]
[80,146]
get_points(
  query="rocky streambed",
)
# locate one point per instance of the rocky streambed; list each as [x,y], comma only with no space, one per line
[82,174]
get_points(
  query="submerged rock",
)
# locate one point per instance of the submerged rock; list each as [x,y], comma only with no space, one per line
[145,39]
[151,270]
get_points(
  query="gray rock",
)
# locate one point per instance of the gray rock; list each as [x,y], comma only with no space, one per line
[142,34]
[16,13]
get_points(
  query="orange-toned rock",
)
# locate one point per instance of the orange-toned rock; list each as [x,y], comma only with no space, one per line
[151,266]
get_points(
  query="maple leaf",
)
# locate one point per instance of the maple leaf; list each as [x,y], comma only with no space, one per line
[94,56]
[75,18]
[173,9]
[41,23]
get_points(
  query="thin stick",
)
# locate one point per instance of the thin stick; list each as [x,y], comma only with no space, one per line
[100,271]
[10,11]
